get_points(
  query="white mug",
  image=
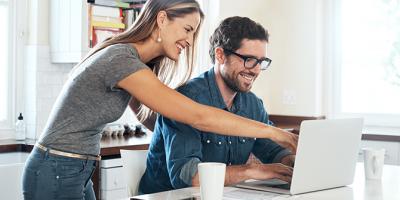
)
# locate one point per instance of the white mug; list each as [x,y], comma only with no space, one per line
[212,179]
[373,163]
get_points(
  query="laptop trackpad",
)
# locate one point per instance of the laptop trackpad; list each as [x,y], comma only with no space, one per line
[276,183]
[270,185]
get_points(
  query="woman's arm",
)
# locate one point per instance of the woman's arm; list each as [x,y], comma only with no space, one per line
[146,88]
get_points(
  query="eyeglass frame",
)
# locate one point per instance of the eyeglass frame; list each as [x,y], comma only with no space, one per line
[245,58]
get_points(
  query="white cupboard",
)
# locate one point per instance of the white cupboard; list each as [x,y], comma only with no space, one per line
[69,35]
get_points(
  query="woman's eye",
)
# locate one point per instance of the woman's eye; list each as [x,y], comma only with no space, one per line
[187,30]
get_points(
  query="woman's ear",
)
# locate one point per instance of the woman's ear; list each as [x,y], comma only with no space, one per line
[162,19]
[219,55]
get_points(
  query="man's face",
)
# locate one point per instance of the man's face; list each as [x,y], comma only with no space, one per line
[236,76]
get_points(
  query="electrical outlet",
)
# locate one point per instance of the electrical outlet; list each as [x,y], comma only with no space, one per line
[289,97]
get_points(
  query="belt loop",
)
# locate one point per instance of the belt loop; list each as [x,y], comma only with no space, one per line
[46,154]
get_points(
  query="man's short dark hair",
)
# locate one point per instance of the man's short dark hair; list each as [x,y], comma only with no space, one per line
[231,31]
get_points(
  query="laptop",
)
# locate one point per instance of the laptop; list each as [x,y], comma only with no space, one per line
[326,158]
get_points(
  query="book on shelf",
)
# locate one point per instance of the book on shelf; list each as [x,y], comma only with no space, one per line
[100,34]
[130,16]
[134,1]
[110,3]
[106,19]
[108,24]
[106,11]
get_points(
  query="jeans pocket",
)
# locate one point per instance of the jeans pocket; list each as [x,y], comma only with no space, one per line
[70,168]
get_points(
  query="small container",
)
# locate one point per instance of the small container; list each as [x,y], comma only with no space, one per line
[20,128]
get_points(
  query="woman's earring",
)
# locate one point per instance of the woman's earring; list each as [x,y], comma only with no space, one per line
[159,37]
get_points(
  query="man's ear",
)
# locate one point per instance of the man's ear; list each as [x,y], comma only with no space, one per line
[219,55]
[162,19]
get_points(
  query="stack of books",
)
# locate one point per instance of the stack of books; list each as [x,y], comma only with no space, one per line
[105,21]
[110,17]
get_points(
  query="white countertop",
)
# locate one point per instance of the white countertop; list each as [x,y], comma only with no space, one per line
[386,189]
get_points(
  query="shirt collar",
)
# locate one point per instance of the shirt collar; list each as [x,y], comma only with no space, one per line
[216,96]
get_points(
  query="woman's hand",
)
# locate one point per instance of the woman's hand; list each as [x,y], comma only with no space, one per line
[285,139]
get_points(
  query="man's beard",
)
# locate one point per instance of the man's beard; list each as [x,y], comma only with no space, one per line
[232,83]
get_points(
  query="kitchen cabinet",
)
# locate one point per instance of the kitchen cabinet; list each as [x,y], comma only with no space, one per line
[11,168]
[112,181]
[68,30]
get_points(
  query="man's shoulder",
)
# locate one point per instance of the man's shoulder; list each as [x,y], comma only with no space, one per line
[194,87]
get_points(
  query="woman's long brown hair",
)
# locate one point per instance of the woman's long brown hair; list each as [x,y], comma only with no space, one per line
[165,68]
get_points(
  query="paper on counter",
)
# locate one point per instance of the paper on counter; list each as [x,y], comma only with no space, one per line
[244,194]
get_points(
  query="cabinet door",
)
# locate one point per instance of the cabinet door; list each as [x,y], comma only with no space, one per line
[11,168]
[112,178]
[112,181]
[68,30]
[392,150]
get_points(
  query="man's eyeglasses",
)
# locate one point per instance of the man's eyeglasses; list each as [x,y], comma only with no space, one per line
[250,62]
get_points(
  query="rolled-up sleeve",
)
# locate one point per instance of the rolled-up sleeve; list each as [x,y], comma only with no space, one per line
[183,151]
[265,149]
[268,151]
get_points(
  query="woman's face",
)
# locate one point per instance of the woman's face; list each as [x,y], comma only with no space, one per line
[177,34]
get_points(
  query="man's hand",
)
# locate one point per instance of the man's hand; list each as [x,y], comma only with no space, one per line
[270,171]
[288,160]
[285,139]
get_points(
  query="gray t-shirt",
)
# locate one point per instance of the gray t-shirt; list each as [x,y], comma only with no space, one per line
[90,99]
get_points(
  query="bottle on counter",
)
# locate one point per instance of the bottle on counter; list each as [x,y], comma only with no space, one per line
[20,128]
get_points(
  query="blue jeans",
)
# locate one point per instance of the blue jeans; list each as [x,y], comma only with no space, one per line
[48,176]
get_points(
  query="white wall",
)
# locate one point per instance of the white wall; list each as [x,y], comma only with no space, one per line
[293,83]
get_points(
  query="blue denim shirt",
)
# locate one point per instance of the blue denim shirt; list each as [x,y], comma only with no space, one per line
[177,148]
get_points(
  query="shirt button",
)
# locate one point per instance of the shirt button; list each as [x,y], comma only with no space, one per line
[244,140]
[57,177]
[230,142]
[255,138]
[208,141]
[219,143]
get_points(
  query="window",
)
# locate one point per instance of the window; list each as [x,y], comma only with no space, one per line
[5,69]
[203,62]
[367,52]
[11,62]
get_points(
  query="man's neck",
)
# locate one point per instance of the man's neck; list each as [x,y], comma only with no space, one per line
[227,93]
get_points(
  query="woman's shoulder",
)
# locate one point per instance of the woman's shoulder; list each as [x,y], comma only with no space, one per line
[121,48]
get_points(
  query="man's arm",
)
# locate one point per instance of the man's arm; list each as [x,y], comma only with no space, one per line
[267,150]
[289,160]
[183,146]
[238,173]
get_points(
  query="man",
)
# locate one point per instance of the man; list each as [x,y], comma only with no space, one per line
[237,49]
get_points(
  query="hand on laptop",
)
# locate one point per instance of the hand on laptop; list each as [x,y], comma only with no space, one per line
[270,171]
[288,160]
[285,139]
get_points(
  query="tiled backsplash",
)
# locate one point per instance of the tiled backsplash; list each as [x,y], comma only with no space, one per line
[43,82]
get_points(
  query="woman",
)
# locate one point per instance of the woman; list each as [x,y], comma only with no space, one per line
[101,86]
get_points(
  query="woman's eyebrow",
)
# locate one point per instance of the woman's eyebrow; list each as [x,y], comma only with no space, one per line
[190,27]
